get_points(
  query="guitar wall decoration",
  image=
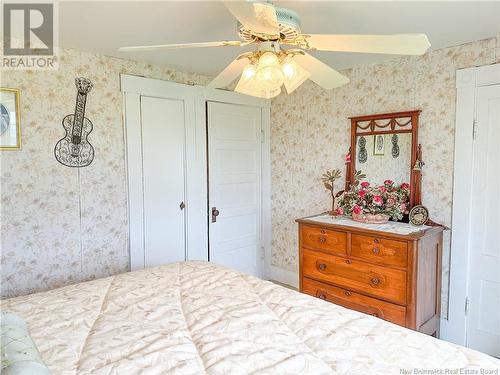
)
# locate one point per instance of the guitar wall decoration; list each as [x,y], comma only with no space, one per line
[74,150]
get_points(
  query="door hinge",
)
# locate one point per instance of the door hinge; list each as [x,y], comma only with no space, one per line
[262,136]
[474,129]
[262,253]
[466,305]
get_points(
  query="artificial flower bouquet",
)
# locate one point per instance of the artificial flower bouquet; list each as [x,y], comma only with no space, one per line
[383,201]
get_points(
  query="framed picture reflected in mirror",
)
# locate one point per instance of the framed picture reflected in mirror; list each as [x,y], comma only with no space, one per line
[379,144]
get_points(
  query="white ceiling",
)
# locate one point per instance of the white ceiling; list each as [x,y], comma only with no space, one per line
[105,26]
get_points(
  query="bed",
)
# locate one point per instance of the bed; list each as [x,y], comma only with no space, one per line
[199,318]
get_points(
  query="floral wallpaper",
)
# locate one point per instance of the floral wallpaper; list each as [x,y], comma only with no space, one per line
[310,133]
[63,225]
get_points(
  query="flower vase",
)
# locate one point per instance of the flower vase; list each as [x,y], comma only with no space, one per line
[370,218]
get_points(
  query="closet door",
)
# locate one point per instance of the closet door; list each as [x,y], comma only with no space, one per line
[166,172]
[163,143]
[483,319]
[234,164]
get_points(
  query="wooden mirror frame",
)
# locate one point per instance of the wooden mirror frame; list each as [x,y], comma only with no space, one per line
[389,123]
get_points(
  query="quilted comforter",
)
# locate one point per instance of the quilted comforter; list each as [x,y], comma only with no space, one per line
[199,318]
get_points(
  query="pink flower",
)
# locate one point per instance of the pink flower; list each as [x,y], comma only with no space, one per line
[365,184]
[404,185]
[361,194]
[388,182]
[348,158]
[391,202]
[382,189]
[402,207]
[357,210]
[377,200]
[339,211]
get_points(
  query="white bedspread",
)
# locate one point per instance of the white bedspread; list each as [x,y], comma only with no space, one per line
[198,318]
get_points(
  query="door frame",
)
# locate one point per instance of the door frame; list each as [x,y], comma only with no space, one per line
[205,95]
[196,178]
[468,80]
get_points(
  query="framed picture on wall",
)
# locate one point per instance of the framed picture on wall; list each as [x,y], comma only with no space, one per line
[379,144]
[10,119]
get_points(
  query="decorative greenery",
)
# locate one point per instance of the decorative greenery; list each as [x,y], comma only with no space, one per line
[328,180]
[386,199]
[358,176]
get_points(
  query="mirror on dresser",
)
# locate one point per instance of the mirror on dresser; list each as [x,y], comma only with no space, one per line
[385,147]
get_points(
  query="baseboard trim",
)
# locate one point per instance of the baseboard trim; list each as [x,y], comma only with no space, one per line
[283,276]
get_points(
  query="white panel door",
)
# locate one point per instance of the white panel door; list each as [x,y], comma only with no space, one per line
[234,163]
[483,320]
[163,140]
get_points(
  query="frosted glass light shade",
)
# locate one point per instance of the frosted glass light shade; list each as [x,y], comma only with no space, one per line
[249,85]
[265,94]
[269,75]
[294,75]
[268,59]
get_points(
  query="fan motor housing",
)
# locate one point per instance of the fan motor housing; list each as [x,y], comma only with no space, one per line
[289,27]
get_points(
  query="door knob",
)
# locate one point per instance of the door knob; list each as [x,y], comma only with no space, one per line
[215,213]
[182,205]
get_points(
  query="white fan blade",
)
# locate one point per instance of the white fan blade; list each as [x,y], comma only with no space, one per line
[398,44]
[322,74]
[228,75]
[258,17]
[184,45]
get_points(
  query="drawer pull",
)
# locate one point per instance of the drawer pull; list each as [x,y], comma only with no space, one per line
[322,266]
[376,250]
[323,231]
[375,281]
[322,296]
[322,239]
[348,261]
[347,293]
[376,240]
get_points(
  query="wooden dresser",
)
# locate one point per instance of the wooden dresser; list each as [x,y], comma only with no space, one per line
[392,271]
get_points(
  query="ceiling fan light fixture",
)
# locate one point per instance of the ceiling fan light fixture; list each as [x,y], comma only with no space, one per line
[250,85]
[294,75]
[264,77]
[269,75]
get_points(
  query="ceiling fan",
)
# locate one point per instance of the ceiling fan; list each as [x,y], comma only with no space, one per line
[268,27]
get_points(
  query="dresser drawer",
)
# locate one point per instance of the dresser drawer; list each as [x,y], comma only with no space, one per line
[380,251]
[355,301]
[324,240]
[373,280]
